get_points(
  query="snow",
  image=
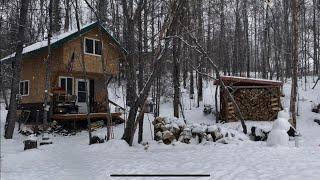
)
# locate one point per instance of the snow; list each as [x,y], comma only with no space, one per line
[278,137]
[44,43]
[253,79]
[70,157]
[32,137]
[282,124]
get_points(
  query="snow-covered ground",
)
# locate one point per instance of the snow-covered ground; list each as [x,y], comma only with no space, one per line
[72,158]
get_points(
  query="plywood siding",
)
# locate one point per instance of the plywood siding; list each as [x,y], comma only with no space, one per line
[112,54]
[33,69]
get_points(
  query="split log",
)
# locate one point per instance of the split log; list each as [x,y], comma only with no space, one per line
[168,137]
[259,104]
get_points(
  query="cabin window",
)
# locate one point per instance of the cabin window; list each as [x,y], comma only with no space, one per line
[93,46]
[66,83]
[24,88]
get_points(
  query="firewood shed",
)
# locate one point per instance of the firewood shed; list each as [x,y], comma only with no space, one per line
[258,99]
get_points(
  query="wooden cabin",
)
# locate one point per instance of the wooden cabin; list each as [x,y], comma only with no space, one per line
[258,99]
[66,70]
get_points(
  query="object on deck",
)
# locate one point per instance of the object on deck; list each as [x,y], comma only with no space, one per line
[63,103]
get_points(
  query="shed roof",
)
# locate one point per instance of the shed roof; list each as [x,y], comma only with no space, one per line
[243,81]
[57,41]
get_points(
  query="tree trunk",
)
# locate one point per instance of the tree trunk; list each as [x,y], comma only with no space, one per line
[84,72]
[175,78]
[3,89]
[12,114]
[48,72]
[67,15]
[293,98]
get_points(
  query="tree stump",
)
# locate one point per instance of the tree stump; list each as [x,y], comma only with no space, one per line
[30,144]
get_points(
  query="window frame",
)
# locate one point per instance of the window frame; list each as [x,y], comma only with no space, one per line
[24,81]
[66,79]
[77,89]
[94,46]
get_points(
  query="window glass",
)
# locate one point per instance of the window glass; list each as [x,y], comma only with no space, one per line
[69,86]
[81,86]
[98,47]
[63,83]
[89,46]
[26,87]
[81,96]
[21,88]
[66,83]
[82,91]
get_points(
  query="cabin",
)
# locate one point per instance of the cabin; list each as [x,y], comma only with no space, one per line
[68,87]
[258,99]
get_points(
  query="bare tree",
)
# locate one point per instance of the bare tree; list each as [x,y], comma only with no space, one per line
[84,71]
[293,97]
[175,8]
[48,60]
[12,114]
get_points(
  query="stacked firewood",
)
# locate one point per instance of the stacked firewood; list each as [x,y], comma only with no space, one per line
[260,104]
[170,130]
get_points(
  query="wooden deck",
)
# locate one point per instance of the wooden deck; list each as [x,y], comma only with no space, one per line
[83,117]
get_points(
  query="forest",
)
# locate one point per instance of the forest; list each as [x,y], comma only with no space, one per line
[179,64]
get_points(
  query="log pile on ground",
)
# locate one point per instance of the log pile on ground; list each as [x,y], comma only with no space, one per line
[169,130]
[257,103]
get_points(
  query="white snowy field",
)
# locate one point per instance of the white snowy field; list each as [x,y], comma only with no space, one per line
[72,158]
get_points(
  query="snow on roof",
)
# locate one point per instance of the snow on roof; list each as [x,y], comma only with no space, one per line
[44,43]
[246,79]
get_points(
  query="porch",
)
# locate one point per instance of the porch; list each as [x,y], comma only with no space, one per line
[116,117]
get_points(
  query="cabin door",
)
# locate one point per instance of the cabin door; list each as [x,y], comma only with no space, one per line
[82,95]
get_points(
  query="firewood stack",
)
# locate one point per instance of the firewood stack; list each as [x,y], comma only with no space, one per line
[261,104]
[170,130]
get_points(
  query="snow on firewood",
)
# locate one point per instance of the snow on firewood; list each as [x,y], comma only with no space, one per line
[170,129]
[197,128]
[212,128]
